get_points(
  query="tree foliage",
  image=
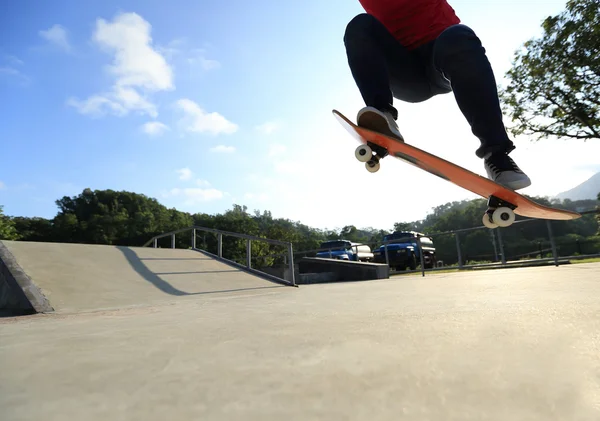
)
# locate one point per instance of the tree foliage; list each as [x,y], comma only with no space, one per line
[7,227]
[576,236]
[110,217]
[130,219]
[554,87]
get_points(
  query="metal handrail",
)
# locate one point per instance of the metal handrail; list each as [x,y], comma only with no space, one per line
[216,231]
[220,234]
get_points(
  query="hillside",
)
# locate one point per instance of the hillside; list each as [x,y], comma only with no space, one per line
[587,190]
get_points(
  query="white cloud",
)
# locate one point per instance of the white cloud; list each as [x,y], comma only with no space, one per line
[154,128]
[14,60]
[196,195]
[208,64]
[269,127]
[223,149]
[199,57]
[202,183]
[195,56]
[98,106]
[172,49]
[288,167]
[262,197]
[14,73]
[185,174]
[9,71]
[57,35]
[136,62]
[276,149]
[2,185]
[138,68]
[196,120]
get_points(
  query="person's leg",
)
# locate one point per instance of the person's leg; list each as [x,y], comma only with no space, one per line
[382,69]
[460,58]
[459,55]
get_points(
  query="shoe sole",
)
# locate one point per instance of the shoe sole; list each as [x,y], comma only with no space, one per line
[516,185]
[522,185]
[372,120]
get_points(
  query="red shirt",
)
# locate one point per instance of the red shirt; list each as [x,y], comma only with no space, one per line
[412,22]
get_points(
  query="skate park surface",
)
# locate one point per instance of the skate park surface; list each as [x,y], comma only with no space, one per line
[140,333]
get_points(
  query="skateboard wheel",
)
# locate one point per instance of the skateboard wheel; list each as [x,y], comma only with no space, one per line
[487,222]
[503,217]
[372,166]
[364,153]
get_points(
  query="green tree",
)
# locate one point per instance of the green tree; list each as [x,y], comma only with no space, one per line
[117,218]
[34,229]
[554,87]
[403,226]
[7,227]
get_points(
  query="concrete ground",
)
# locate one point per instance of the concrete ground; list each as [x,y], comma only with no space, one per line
[515,344]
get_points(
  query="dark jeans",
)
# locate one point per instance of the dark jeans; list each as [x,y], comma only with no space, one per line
[454,62]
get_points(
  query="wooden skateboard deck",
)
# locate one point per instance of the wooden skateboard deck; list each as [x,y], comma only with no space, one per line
[497,195]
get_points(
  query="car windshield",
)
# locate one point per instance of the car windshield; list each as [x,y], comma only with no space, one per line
[335,245]
[399,237]
[407,237]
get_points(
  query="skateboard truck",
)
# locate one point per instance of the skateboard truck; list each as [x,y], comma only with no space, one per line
[371,154]
[500,213]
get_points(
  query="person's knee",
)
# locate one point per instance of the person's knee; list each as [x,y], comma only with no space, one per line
[457,39]
[359,27]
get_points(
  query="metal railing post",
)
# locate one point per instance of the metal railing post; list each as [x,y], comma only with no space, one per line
[172,241]
[501,245]
[387,256]
[494,244]
[291,259]
[460,262]
[248,253]
[155,242]
[220,245]
[421,255]
[194,239]
[552,242]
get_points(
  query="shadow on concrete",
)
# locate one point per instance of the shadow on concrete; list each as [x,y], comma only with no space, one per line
[251,271]
[174,258]
[199,272]
[138,265]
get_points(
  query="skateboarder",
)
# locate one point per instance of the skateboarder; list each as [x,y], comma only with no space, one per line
[415,49]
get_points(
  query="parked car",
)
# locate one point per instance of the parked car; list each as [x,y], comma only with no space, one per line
[345,250]
[403,250]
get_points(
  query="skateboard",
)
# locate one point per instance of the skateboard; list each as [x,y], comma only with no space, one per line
[503,203]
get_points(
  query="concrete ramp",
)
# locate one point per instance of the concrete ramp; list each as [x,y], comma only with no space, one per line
[79,277]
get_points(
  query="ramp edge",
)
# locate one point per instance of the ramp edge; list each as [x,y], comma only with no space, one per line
[19,294]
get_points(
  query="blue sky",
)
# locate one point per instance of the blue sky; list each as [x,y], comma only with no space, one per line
[206,104]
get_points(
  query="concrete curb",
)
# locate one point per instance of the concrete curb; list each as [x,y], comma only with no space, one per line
[343,270]
[18,293]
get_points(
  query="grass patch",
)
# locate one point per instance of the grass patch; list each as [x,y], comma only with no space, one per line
[591,260]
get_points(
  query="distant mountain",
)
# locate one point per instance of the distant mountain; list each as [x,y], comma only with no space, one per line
[587,190]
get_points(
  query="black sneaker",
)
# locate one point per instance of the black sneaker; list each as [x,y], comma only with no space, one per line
[382,122]
[502,169]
